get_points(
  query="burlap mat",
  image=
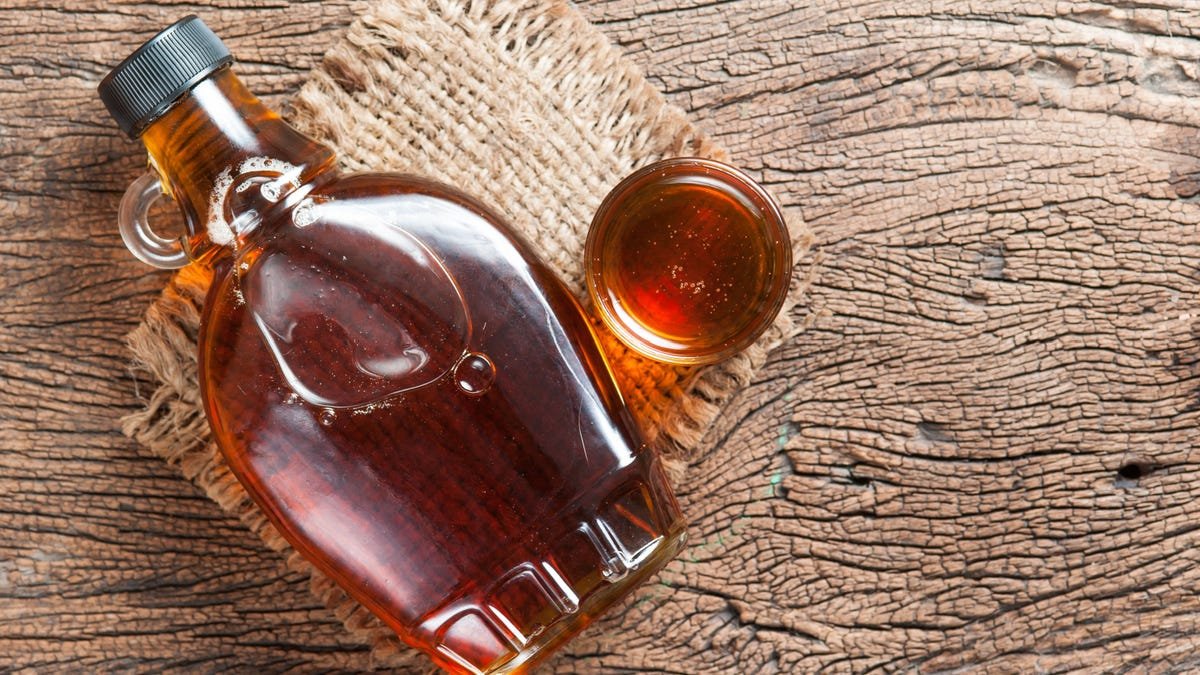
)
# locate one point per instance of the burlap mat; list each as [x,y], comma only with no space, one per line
[526,105]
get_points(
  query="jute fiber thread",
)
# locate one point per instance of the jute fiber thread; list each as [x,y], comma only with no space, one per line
[522,103]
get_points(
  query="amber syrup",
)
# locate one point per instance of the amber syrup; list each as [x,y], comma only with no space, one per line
[688,260]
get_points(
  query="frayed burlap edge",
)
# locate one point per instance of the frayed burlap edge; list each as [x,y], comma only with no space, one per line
[385,98]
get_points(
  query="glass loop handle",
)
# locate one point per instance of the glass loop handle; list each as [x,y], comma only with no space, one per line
[144,243]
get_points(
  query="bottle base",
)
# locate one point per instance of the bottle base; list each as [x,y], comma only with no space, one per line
[591,608]
[550,593]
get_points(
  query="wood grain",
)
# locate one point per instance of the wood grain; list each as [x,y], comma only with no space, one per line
[108,560]
[982,451]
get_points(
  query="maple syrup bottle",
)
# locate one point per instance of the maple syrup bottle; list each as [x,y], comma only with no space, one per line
[414,400]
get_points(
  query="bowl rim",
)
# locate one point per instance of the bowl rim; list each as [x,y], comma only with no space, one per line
[780,245]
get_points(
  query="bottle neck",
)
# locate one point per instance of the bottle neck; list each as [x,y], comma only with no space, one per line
[214,141]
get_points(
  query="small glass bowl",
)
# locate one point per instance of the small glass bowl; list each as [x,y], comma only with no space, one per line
[688,261]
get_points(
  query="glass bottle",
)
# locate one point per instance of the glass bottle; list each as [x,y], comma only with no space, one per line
[414,400]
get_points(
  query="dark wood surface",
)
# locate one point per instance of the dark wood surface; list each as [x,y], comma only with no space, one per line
[982,451]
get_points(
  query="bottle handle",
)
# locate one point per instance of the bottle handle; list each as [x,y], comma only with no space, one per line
[144,243]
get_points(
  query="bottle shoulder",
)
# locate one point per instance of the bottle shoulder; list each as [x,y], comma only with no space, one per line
[384,226]
[378,189]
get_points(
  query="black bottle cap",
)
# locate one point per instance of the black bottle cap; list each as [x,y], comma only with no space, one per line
[154,76]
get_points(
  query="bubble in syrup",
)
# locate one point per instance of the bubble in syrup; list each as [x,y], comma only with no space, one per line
[327,417]
[474,374]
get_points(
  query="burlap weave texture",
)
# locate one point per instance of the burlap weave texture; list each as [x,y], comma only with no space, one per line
[527,106]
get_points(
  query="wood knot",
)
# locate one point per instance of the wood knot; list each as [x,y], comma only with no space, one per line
[1131,472]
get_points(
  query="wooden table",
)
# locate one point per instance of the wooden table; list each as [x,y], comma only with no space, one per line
[981,451]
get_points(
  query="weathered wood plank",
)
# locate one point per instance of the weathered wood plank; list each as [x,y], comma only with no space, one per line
[981,451]
[984,448]
[108,560]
